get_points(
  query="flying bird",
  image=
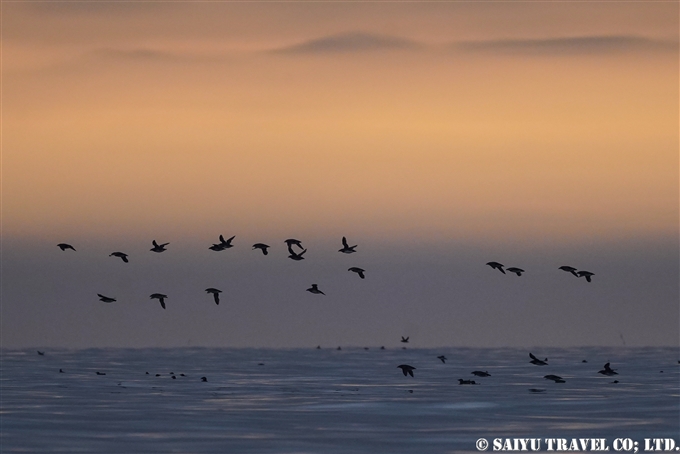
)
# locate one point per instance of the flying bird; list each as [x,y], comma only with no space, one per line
[106,299]
[480,373]
[517,271]
[294,256]
[293,241]
[223,244]
[216,294]
[404,339]
[64,246]
[537,361]
[442,358]
[121,255]
[406,369]
[40,353]
[586,274]
[608,371]
[569,269]
[358,270]
[496,266]
[261,246]
[555,378]
[315,290]
[160,297]
[346,248]
[158,247]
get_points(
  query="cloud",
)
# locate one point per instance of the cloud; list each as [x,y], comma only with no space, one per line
[348,42]
[570,45]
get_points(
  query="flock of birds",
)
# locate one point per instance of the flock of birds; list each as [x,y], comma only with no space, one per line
[296,255]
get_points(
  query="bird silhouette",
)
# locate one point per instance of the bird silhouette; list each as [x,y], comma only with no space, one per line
[517,271]
[607,371]
[204,379]
[121,255]
[40,353]
[537,361]
[346,248]
[442,358]
[406,369]
[261,246]
[160,297]
[496,266]
[100,373]
[404,339]
[158,247]
[292,241]
[466,382]
[216,294]
[105,299]
[569,269]
[223,244]
[480,373]
[295,256]
[64,246]
[555,378]
[358,270]
[315,290]
[586,274]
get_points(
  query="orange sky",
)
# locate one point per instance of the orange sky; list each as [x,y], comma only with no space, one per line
[481,120]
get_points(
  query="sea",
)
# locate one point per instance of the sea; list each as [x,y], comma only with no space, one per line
[325,400]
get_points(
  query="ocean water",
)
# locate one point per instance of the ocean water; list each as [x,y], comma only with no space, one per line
[328,401]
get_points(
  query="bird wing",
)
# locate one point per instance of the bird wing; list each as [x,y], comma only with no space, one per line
[154,243]
[344,242]
[217,298]
[531,355]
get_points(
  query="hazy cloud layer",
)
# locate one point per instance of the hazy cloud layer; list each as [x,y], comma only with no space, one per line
[349,42]
[569,45]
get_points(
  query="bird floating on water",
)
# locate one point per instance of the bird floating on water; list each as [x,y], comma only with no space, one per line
[466,382]
[160,297]
[569,269]
[555,378]
[123,256]
[158,247]
[586,274]
[64,246]
[315,290]
[496,266]
[105,299]
[346,248]
[216,294]
[359,271]
[480,373]
[607,371]
[517,271]
[537,361]
[406,369]
[261,246]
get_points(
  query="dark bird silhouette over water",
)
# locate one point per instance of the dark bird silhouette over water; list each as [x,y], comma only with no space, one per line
[216,294]
[480,373]
[346,248]
[40,353]
[294,256]
[61,371]
[160,297]
[292,241]
[555,378]
[223,244]
[315,290]
[608,371]
[158,247]
[517,271]
[569,269]
[496,266]
[537,361]
[100,373]
[106,299]
[586,274]
[204,379]
[121,255]
[261,246]
[442,358]
[404,340]
[64,246]
[359,271]
[406,369]
[466,382]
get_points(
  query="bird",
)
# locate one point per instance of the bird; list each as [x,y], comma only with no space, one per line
[160,297]
[64,246]
[40,353]
[404,339]
[296,257]
[442,358]
[359,271]
[204,379]
[293,241]
[406,369]
[105,299]
[346,248]
[496,266]
[608,371]
[555,378]
[216,294]
[480,373]
[569,269]
[315,290]
[261,246]
[466,382]
[537,361]
[586,274]
[123,256]
[100,373]
[223,244]
[61,371]
[517,271]
[158,247]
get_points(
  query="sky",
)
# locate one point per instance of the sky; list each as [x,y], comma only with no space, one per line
[437,136]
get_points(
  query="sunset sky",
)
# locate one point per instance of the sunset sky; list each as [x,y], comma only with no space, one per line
[437,136]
